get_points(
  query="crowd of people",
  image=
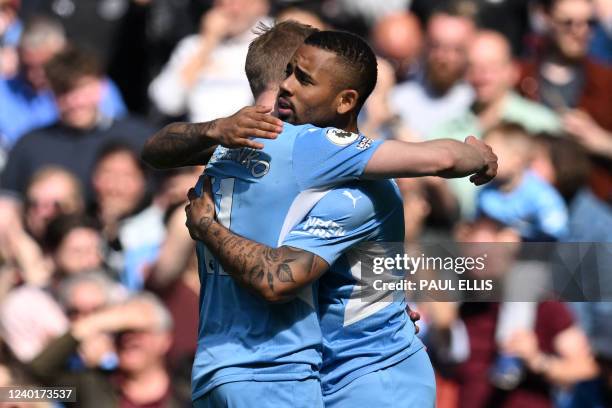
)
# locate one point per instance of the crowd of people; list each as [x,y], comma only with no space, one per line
[96,240]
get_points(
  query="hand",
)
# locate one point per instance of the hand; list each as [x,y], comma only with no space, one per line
[94,348]
[252,121]
[588,133]
[414,317]
[489,169]
[523,344]
[200,211]
[137,314]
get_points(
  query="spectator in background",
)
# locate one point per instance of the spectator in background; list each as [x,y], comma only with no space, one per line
[141,328]
[366,11]
[28,102]
[144,41]
[439,92]
[566,79]
[123,208]
[50,192]
[563,77]
[562,163]
[493,76]
[509,17]
[174,276]
[23,108]
[555,353]
[74,244]
[398,38]
[205,75]
[82,295]
[10,31]
[73,142]
[555,350]
[94,25]
[29,319]
[519,198]
[303,16]
[378,119]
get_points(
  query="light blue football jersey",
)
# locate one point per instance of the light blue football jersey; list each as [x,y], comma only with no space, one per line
[363,330]
[261,195]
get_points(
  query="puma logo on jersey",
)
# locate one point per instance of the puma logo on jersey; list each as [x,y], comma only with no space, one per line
[350,196]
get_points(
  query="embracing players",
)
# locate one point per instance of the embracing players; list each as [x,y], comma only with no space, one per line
[249,349]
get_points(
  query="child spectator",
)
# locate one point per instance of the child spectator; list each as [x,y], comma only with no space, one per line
[519,198]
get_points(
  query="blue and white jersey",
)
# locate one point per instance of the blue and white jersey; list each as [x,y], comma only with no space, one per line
[261,195]
[363,330]
[534,208]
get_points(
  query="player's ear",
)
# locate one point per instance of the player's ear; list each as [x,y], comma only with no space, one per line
[347,101]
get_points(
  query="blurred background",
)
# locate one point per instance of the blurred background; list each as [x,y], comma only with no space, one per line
[98,277]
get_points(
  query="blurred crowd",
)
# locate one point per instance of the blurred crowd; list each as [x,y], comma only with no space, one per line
[98,276]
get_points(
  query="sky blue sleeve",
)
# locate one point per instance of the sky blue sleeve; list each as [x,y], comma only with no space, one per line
[342,219]
[552,214]
[330,156]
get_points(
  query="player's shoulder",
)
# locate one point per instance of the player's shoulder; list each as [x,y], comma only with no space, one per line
[362,198]
[332,137]
[294,131]
[290,128]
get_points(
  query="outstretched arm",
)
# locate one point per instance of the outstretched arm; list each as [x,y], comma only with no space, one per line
[276,274]
[189,144]
[444,158]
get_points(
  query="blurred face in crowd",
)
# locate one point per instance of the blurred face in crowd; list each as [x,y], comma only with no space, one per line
[49,196]
[140,350]
[79,251]
[119,184]
[448,38]
[33,60]
[8,12]
[570,27]
[85,298]
[484,236]
[513,156]
[490,71]
[398,39]
[301,16]
[310,92]
[79,106]
[242,13]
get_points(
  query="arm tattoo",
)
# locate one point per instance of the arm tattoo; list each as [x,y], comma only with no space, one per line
[179,144]
[257,266]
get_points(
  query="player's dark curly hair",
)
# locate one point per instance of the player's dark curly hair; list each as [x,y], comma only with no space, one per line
[359,65]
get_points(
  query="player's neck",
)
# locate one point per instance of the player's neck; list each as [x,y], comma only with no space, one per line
[267,98]
[348,123]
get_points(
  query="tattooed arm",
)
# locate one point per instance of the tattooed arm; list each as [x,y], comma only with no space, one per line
[180,144]
[276,274]
[188,144]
